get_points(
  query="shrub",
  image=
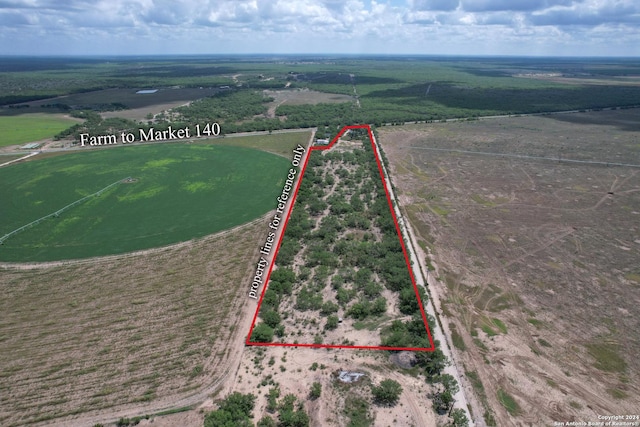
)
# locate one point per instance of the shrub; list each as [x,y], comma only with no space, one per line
[271,318]
[234,411]
[459,418]
[316,390]
[387,393]
[332,322]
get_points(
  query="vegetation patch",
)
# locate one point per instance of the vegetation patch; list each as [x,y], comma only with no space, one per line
[340,265]
[487,329]
[457,340]
[508,402]
[607,357]
[357,411]
[633,276]
[535,322]
[482,201]
[616,393]
[500,325]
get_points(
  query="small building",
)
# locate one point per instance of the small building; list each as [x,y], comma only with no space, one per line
[31,146]
[349,376]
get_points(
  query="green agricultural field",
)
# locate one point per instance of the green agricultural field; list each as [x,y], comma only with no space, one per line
[177,192]
[31,127]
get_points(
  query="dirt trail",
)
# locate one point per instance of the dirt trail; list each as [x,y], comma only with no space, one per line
[20,159]
[227,385]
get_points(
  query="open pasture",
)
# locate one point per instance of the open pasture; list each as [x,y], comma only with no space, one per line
[302,97]
[281,144]
[537,258]
[176,192]
[306,96]
[23,128]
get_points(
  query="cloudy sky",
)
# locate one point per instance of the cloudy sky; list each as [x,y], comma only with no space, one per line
[457,27]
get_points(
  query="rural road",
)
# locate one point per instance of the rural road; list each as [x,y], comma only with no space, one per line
[437,333]
[45,149]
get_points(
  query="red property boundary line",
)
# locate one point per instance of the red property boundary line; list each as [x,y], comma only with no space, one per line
[404,251]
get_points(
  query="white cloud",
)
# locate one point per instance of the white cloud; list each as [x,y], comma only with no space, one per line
[316,26]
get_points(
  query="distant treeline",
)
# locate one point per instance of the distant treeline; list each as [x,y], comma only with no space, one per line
[389,90]
[243,110]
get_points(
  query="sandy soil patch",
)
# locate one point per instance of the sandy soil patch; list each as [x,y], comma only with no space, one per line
[534,275]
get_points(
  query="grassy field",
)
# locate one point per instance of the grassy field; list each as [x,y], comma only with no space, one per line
[24,128]
[536,255]
[104,336]
[178,192]
[281,144]
[305,96]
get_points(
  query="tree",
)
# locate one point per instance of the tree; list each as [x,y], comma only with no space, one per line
[316,390]
[449,382]
[387,393]
[266,421]
[238,403]
[297,418]
[220,418]
[271,318]
[433,362]
[458,418]
[290,418]
[262,333]
[328,307]
[234,411]
[272,399]
[442,401]
[359,310]
[408,302]
[379,306]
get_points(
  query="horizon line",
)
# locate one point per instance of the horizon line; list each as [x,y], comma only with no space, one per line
[321,55]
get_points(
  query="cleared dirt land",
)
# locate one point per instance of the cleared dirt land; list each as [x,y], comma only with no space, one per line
[538,260]
[294,370]
[137,331]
